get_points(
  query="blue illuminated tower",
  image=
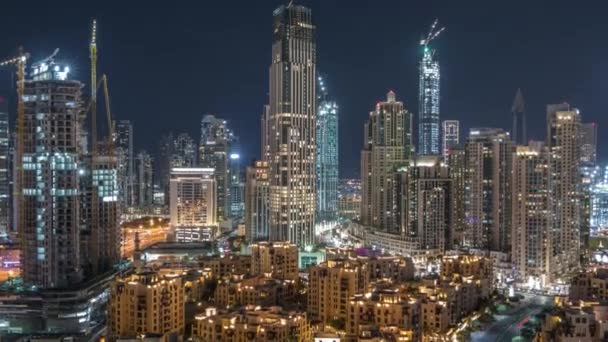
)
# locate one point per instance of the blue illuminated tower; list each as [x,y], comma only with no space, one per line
[326,156]
[428,100]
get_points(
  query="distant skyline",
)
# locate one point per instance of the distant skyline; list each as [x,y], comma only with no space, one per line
[167,67]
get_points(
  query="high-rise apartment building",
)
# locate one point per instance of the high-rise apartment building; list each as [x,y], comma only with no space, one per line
[236,188]
[428,104]
[193,199]
[531,215]
[563,141]
[184,151]
[5,171]
[519,134]
[451,136]
[388,148]
[291,126]
[144,180]
[257,208]
[327,156]
[488,191]
[123,145]
[456,162]
[147,304]
[426,200]
[588,144]
[49,185]
[214,152]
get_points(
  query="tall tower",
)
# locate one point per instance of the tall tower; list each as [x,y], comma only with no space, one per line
[518,110]
[388,148]
[49,220]
[451,136]
[256,202]
[531,214]
[144,178]
[428,97]
[588,144]
[327,156]
[291,124]
[123,143]
[214,151]
[563,141]
[487,199]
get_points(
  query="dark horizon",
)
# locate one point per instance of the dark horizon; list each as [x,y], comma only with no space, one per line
[167,67]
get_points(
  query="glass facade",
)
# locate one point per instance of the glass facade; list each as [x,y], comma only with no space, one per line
[326,156]
[428,101]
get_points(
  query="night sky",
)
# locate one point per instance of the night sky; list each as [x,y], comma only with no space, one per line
[168,66]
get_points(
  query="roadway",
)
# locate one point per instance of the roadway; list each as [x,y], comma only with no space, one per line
[508,325]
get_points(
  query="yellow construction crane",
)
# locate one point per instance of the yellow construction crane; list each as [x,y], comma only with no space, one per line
[95,85]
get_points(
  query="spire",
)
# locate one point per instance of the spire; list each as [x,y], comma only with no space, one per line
[390,97]
[518,103]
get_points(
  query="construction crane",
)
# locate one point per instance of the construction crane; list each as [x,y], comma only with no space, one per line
[433,33]
[93,56]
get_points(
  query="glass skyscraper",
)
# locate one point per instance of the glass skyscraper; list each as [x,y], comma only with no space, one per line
[327,156]
[428,102]
[4,170]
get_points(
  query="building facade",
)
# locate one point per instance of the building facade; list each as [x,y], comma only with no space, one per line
[563,141]
[388,148]
[291,124]
[193,198]
[144,180]
[451,136]
[588,144]
[146,304]
[327,156]
[488,192]
[5,171]
[531,242]
[214,152]
[257,206]
[49,207]
[428,104]
[123,144]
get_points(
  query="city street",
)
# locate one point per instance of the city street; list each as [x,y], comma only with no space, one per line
[508,325]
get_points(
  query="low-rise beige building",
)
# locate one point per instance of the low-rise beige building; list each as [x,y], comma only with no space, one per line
[251,324]
[146,303]
[238,290]
[278,260]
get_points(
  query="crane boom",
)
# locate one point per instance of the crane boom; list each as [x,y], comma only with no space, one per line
[433,33]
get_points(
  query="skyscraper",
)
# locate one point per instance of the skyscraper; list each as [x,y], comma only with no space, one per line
[327,156]
[487,199]
[5,196]
[49,219]
[388,148]
[588,144]
[236,188]
[451,136]
[457,167]
[531,205]
[428,103]
[427,218]
[214,151]
[563,141]
[257,210]
[518,110]
[291,124]
[144,180]
[123,143]
[184,151]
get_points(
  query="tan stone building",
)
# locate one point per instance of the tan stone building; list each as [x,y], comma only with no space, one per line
[278,260]
[146,303]
[252,324]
